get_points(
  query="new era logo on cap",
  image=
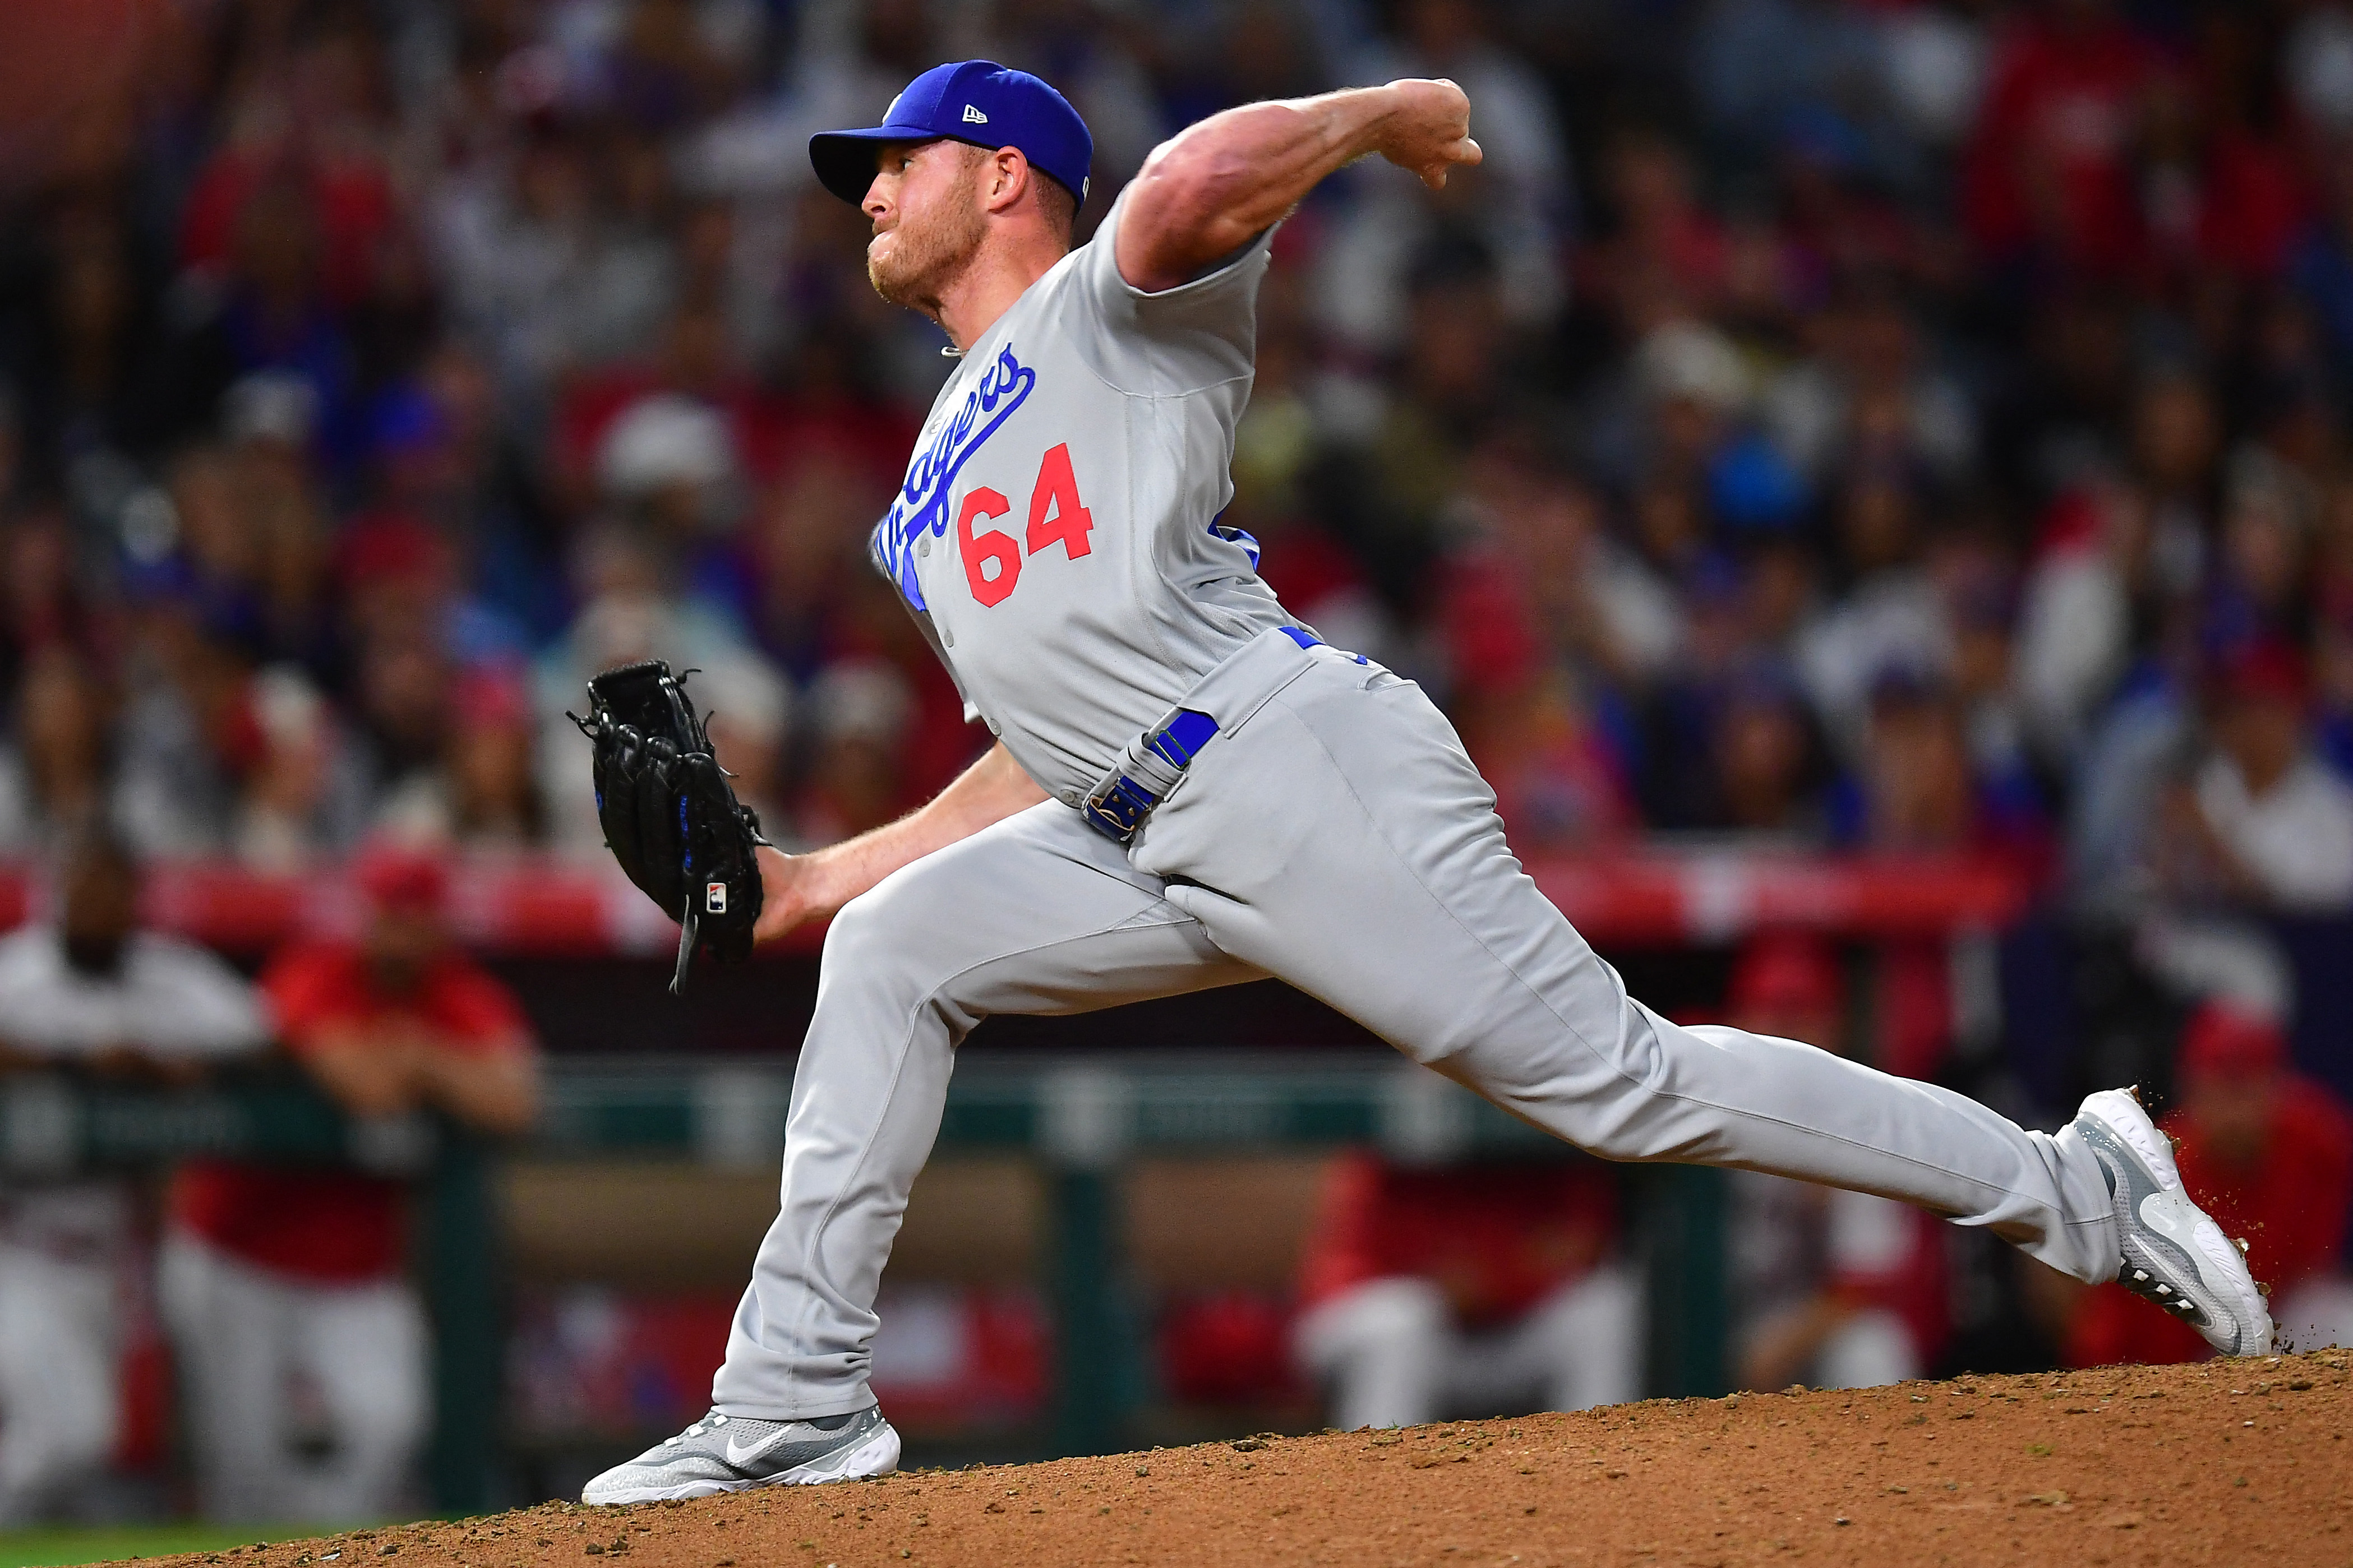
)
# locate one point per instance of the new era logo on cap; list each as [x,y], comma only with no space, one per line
[973,116]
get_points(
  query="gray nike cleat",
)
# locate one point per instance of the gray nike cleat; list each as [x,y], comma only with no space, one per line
[735,1453]
[2173,1253]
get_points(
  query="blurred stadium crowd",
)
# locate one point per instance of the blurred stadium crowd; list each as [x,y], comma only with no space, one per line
[1827,425]
[1901,425]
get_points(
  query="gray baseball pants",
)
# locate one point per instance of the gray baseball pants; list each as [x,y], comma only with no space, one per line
[1333,833]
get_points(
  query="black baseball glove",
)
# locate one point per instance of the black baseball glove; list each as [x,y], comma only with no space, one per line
[669,817]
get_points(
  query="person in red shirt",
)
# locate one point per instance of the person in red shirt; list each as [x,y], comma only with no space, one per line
[2049,173]
[1439,1292]
[2269,1153]
[301,1342]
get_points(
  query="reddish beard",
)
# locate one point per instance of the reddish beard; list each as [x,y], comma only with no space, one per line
[927,253]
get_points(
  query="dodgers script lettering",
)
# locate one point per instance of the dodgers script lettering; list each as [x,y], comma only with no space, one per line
[923,504]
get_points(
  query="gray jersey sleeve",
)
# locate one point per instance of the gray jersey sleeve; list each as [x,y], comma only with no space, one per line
[1167,344]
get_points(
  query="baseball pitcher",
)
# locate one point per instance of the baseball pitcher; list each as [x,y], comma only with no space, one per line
[1189,788]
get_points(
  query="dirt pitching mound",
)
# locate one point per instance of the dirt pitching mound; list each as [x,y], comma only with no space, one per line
[2232,1461]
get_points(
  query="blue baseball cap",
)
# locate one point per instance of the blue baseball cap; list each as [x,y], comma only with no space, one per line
[978,102]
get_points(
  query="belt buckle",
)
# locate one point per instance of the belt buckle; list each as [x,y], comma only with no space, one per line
[1117,808]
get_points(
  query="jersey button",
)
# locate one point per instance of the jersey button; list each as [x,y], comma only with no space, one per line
[947,636]
[1070,797]
[923,545]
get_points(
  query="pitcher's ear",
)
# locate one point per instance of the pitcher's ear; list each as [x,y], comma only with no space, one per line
[1012,169]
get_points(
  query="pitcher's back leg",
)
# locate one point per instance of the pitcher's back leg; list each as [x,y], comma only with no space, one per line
[1035,915]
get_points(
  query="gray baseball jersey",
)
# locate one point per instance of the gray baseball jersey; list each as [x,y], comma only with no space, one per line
[1057,528]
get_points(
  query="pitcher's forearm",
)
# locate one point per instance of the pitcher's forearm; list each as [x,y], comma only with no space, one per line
[1208,191]
[989,791]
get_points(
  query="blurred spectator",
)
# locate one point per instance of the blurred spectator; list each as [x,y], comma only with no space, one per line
[1765,68]
[2259,587]
[2316,56]
[631,610]
[301,1341]
[1457,377]
[1667,256]
[2269,1153]
[861,710]
[2048,179]
[53,769]
[1933,59]
[2075,630]
[83,367]
[1691,393]
[1834,1289]
[89,992]
[44,600]
[1559,785]
[1918,788]
[2263,821]
[1913,790]
[747,712]
[403,708]
[492,789]
[1743,757]
[1541,577]
[1869,394]
[540,274]
[1515,205]
[221,758]
[1891,616]
[244,539]
[266,311]
[1429,1294]
[462,743]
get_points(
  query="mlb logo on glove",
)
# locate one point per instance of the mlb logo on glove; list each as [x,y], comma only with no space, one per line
[714,898]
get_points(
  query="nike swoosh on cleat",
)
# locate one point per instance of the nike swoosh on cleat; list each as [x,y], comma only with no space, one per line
[739,1457]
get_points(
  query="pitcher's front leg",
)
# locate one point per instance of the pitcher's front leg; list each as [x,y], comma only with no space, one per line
[1343,840]
[1035,915]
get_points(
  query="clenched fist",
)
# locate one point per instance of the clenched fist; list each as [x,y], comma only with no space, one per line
[1427,129]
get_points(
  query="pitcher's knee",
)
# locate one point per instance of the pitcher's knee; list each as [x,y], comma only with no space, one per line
[869,946]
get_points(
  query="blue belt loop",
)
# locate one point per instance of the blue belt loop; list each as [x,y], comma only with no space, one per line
[1183,737]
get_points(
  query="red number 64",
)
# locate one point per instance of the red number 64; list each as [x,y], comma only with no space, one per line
[1055,513]
[993,545]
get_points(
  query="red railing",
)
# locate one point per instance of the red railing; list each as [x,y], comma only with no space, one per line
[1649,897]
